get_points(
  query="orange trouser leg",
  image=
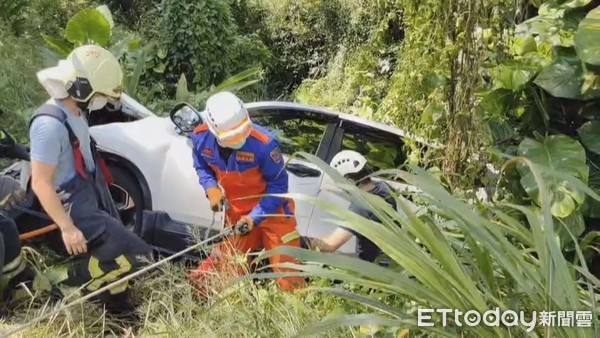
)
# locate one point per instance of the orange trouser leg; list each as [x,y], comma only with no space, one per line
[279,231]
[220,265]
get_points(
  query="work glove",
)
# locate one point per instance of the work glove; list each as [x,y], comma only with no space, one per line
[215,198]
[10,193]
[243,226]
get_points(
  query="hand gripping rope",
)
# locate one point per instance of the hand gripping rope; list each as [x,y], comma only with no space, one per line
[209,241]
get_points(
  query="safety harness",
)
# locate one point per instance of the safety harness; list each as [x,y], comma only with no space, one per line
[51,110]
[101,179]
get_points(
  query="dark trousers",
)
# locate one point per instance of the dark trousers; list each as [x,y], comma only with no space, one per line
[113,251]
[12,264]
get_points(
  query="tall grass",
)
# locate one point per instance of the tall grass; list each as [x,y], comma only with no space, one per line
[491,258]
[169,307]
[454,256]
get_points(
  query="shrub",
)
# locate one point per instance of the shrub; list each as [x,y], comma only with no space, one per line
[354,83]
[456,255]
[303,36]
[19,89]
[357,76]
[200,39]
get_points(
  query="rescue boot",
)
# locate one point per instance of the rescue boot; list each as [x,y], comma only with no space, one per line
[25,277]
[118,307]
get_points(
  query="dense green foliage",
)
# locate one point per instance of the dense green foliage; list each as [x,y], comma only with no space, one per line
[450,254]
[199,39]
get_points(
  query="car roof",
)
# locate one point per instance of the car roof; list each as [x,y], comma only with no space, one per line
[344,116]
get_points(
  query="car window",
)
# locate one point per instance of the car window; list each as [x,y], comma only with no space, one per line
[295,130]
[383,150]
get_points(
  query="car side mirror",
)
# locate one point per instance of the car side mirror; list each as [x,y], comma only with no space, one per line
[302,170]
[185,117]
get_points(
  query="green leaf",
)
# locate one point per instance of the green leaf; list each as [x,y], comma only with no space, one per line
[133,79]
[569,227]
[590,135]
[122,45]
[561,79]
[182,93]
[239,81]
[107,14]
[591,207]
[575,3]
[160,68]
[570,25]
[500,131]
[134,44]
[558,153]
[89,25]
[61,46]
[523,45]
[591,86]
[432,113]
[587,38]
[513,76]
[590,243]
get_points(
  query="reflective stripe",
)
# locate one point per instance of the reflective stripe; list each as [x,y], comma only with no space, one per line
[119,288]
[290,236]
[113,275]
[12,265]
[17,270]
[95,272]
[124,267]
[235,129]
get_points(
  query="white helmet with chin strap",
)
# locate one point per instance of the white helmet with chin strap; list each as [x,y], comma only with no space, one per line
[87,71]
[228,119]
[348,162]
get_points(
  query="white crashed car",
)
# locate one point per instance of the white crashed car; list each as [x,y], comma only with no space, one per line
[151,162]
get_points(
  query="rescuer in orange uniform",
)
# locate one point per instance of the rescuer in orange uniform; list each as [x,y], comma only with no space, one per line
[245,160]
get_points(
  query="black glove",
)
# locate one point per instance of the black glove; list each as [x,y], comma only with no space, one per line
[243,226]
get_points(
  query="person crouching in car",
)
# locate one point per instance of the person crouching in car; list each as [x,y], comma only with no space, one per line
[355,168]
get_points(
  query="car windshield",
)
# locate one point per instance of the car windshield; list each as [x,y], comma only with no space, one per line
[295,130]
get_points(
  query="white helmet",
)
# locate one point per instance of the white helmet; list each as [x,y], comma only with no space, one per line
[87,71]
[348,162]
[228,119]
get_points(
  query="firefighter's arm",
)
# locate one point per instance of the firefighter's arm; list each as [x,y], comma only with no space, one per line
[45,151]
[330,242]
[206,175]
[207,179]
[44,137]
[273,170]
[42,175]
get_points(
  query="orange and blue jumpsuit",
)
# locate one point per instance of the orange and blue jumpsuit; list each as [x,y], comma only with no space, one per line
[250,172]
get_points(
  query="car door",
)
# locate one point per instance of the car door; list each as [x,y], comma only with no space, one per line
[299,130]
[383,150]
